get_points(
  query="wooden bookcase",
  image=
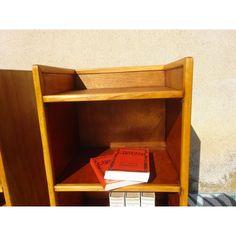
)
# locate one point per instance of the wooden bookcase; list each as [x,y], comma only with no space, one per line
[22,172]
[83,113]
[4,191]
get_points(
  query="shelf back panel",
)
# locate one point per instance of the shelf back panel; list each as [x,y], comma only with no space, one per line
[122,123]
[121,80]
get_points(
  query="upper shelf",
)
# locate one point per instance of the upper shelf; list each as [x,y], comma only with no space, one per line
[114,94]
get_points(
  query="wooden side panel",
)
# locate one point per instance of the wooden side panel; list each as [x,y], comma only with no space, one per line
[20,140]
[57,83]
[173,131]
[62,128]
[56,80]
[174,78]
[122,79]
[185,132]
[52,118]
[122,123]
[187,73]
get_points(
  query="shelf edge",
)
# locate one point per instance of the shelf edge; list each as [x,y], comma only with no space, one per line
[119,69]
[112,97]
[97,187]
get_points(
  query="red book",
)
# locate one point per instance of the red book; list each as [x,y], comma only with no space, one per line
[100,165]
[129,164]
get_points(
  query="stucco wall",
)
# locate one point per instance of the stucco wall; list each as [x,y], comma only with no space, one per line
[213,142]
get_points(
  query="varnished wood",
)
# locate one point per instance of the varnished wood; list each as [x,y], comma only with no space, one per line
[173,131]
[163,176]
[120,69]
[122,79]
[185,132]
[57,83]
[177,64]
[94,187]
[70,198]
[113,123]
[3,182]
[114,94]
[173,199]
[44,135]
[54,70]
[49,119]
[138,106]
[174,78]
[62,130]
[24,179]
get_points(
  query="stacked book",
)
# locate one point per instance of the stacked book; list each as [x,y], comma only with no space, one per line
[147,199]
[122,167]
[132,199]
[117,199]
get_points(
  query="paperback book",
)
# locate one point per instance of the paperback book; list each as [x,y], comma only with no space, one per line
[129,164]
[132,199]
[100,165]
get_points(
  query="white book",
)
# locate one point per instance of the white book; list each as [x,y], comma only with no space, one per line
[111,184]
[117,199]
[147,199]
[132,199]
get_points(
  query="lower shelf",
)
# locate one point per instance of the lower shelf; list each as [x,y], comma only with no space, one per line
[163,178]
[100,199]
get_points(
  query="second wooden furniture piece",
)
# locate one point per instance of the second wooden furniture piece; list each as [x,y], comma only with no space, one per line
[22,171]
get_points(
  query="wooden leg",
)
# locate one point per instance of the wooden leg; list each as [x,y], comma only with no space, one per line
[183,199]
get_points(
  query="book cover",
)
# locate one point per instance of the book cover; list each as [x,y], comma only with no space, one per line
[129,164]
[100,165]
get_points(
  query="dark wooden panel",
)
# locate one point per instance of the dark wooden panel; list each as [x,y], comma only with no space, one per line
[123,79]
[62,134]
[3,182]
[70,198]
[111,123]
[57,83]
[20,140]
[173,130]
[173,199]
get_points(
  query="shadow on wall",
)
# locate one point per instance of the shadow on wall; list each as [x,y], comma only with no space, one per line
[195,148]
[203,199]
[216,199]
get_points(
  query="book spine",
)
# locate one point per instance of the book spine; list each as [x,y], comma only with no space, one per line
[98,172]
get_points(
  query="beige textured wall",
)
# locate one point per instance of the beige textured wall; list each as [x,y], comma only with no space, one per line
[214,90]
